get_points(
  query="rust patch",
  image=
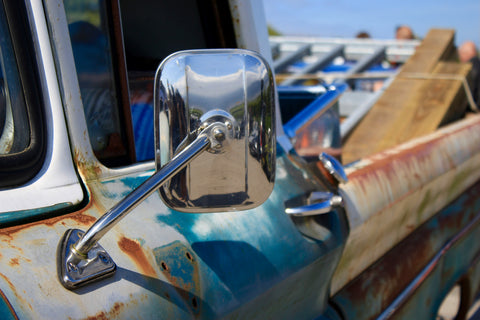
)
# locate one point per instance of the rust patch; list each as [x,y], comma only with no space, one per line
[10,284]
[133,249]
[79,217]
[84,219]
[381,283]
[113,313]
[421,152]
[87,169]
[179,265]
[14,262]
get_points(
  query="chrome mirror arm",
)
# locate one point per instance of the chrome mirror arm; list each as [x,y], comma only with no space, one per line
[81,259]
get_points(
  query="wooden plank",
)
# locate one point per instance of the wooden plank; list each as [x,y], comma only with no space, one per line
[439,100]
[366,138]
[437,45]
[416,102]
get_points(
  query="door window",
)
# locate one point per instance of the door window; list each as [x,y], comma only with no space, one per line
[14,128]
[117,47]
[21,135]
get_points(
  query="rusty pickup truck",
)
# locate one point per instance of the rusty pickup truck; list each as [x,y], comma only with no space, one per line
[151,168]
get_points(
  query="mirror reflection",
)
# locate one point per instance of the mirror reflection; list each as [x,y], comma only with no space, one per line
[235,88]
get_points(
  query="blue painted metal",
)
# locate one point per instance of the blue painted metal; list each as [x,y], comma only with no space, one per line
[255,252]
[314,110]
[6,310]
[249,264]
[258,263]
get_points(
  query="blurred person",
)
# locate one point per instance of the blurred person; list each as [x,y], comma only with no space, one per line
[467,52]
[404,32]
[362,35]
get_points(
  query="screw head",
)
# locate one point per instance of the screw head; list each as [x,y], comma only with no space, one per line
[72,267]
[103,258]
[219,134]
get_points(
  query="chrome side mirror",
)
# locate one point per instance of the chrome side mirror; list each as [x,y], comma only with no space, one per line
[233,89]
[215,149]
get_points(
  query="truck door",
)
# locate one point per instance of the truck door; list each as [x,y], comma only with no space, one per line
[254,263]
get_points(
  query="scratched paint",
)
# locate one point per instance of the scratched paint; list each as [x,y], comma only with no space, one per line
[179,265]
[263,266]
[386,196]
[268,250]
[380,284]
[176,264]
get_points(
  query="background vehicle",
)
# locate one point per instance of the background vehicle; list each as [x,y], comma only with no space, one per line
[78,140]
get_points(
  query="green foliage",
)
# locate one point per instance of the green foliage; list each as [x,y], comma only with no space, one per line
[272,31]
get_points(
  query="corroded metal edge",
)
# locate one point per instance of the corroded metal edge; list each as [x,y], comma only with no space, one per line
[391,193]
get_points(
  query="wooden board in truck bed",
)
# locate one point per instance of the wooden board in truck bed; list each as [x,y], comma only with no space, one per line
[428,92]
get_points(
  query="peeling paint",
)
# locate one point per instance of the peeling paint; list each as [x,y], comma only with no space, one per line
[380,284]
[178,264]
[392,193]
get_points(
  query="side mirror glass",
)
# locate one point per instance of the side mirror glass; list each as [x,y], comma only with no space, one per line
[233,89]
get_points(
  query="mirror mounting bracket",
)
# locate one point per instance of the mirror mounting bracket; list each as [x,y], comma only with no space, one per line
[80,259]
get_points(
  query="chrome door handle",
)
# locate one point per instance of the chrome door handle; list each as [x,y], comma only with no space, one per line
[327,201]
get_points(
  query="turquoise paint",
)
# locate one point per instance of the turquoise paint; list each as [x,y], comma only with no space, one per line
[243,258]
[8,218]
[131,182]
[245,254]
[180,266]
[6,310]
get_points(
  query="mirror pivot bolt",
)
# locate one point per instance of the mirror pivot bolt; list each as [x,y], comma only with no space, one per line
[219,134]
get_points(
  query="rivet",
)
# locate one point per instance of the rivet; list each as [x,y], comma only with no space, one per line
[71,267]
[103,258]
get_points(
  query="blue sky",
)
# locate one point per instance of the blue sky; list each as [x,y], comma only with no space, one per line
[345,18]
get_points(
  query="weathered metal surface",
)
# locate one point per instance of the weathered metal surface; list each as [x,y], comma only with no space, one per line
[251,264]
[440,249]
[177,265]
[392,193]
